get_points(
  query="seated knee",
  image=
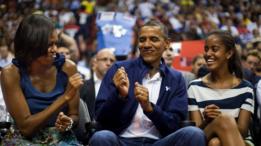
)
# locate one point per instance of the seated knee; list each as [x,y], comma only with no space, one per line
[225,122]
[214,142]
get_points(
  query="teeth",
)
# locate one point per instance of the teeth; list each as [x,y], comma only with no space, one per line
[210,60]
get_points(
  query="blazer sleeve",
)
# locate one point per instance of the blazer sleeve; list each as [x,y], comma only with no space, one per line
[108,104]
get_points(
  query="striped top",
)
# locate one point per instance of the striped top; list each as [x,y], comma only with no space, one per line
[230,101]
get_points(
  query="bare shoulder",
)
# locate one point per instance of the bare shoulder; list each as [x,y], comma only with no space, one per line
[69,67]
[10,74]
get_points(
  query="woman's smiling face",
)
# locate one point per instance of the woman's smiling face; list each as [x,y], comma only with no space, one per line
[216,55]
[52,50]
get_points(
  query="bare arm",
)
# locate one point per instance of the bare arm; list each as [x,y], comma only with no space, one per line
[15,101]
[71,45]
[243,122]
[196,117]
[74,102]
[210,112]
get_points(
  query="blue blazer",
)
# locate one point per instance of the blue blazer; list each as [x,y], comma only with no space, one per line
[116,114]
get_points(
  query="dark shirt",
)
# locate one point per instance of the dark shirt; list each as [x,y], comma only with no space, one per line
[36,100]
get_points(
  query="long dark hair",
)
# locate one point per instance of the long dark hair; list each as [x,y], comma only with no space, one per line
[234,62]
[32,37]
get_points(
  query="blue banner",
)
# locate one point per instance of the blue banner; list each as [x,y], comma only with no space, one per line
[115,31]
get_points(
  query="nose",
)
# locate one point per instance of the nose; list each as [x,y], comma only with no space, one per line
[53,49]
[208,52]
[169,53]
[146,43]
[252,66]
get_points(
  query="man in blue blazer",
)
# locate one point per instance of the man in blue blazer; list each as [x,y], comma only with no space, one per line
[142,101]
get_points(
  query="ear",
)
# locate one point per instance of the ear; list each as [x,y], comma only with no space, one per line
[229,54]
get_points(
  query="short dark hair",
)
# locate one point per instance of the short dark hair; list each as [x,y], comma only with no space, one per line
[157,23]
[62,43]
[234,62]
[32,38]
[255,53]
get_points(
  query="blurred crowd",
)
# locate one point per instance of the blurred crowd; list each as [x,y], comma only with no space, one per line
[185,19]
[75,22]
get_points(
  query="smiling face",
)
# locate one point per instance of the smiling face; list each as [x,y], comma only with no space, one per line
[152,44]
[216,54]
[52,50]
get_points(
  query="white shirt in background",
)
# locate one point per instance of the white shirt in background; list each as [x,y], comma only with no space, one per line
[97,84]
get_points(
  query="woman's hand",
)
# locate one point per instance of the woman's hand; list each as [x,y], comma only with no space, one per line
[75,81]
[211,112]
[63,122]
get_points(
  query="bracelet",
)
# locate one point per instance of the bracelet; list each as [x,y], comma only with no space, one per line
[70,126]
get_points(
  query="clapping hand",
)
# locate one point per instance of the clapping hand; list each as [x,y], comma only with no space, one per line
[121,81]
[75,81]
[142,95]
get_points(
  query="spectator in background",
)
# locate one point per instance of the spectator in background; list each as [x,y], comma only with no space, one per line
[40,87]
[102,61]
[168,56]
[221,103]
[62,48]
[67,46]
[142,101]
[145,8]
[256,126]
[252,60]
[230,27]
[70,43]
[6,55]
[257,43]
[197,62]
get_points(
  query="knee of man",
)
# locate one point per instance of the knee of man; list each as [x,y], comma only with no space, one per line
[194,135]
[194,131]
[103,136]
